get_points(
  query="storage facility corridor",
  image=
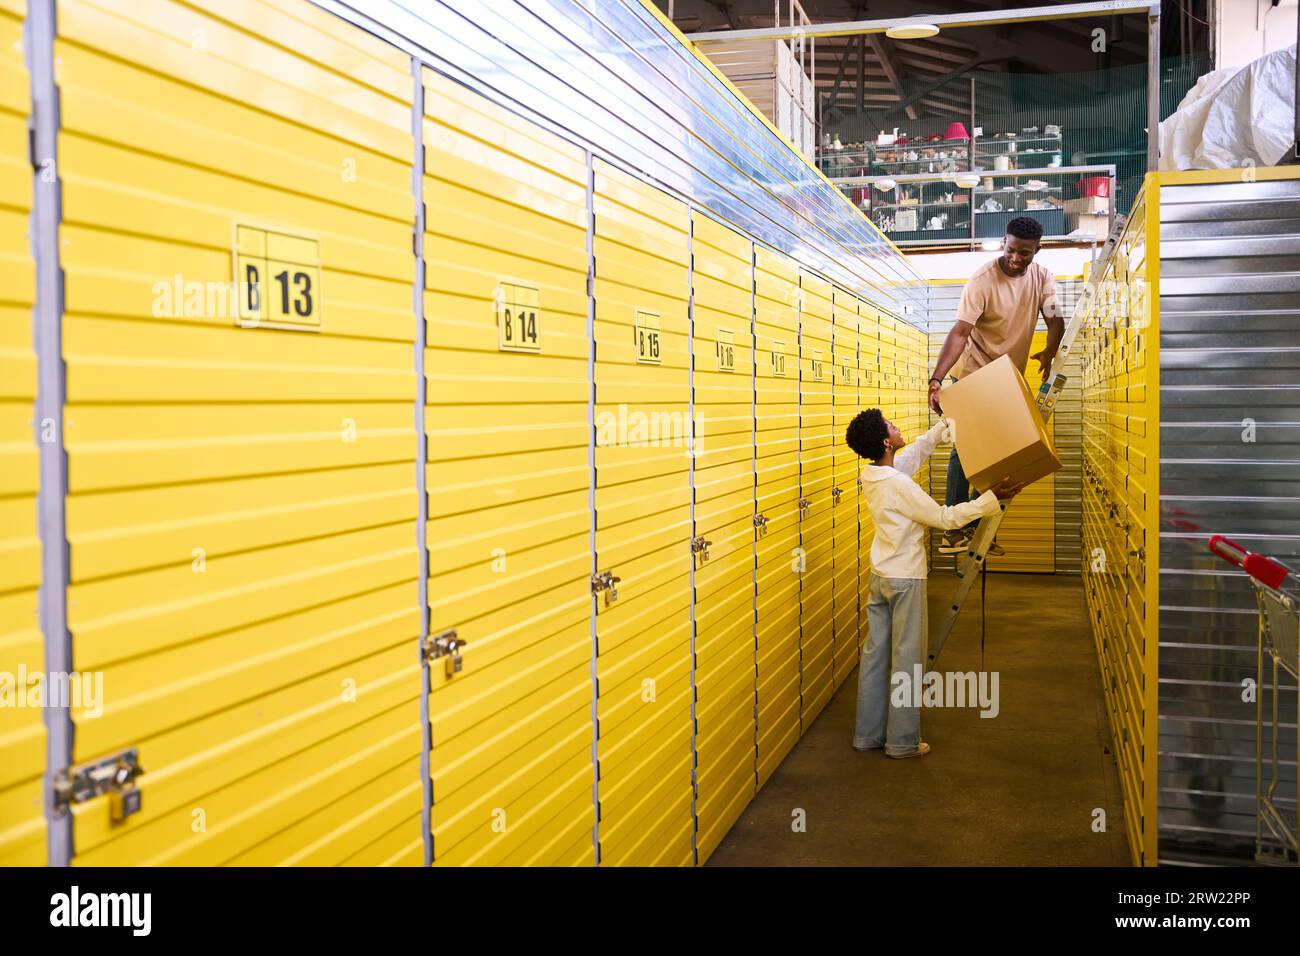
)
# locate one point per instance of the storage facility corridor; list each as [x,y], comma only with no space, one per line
[1021,789]
[425,442]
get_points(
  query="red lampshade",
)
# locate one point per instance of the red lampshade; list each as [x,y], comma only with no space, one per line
[1094,186]
[957,131]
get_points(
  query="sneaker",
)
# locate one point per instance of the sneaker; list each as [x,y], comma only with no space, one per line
[955,542]
[921,750]
[996,550]
[865,749]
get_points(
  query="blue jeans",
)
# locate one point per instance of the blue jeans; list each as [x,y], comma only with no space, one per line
[958,489]
[897,642]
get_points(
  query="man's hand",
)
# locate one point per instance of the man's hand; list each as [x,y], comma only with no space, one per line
[1044,361]
[934,397]
[1006,488]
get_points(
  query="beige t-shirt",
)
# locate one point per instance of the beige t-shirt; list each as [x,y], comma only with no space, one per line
[1004,312]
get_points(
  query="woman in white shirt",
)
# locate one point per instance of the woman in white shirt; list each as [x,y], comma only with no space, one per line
[896,603]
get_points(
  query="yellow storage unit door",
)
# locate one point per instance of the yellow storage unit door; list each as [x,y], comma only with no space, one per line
[643,523]
[722,280]
[816,478]
[509,526]
[889,349]
[1028,532]
[918,419]
[1120,508]
[845,492]
[22,727]
[240,460]
[776,422]
[868,397]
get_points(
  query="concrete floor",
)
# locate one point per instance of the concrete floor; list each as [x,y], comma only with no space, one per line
[1015,790]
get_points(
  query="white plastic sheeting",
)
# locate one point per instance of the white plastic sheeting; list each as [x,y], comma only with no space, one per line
[1240,116]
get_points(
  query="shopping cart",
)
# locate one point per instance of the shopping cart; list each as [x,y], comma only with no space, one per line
[1279,639]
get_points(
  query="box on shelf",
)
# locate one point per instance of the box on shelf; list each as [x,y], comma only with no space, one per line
[1088,204]
[1098,226]
[996,426]
[905,220]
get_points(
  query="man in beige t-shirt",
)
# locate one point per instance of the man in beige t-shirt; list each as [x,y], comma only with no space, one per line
[996,316]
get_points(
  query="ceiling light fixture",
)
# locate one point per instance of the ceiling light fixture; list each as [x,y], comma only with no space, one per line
[911,31]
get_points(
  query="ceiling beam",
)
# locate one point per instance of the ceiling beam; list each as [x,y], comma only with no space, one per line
[1064,11]
[924,91]
[729,8]
[839,75]
[878,46]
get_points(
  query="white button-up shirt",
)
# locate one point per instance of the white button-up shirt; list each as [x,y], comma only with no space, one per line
[901,510]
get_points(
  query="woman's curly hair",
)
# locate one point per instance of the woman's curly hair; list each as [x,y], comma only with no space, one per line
[867,434]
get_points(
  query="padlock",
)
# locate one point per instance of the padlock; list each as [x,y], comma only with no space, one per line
[454,663]
[124,803]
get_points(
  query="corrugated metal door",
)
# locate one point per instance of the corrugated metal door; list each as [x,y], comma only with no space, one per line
[508,475]
[1119,447]
[22,728]
[643,522]
[1028,531]
[913,393]
[889,350]
[845,492]
[722,280]
[776,419]
[1226,257]
[816,478]
[242,529]
[868,397]
[920,395]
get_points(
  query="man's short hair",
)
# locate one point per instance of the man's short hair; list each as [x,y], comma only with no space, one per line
[1025,227]
[867,434]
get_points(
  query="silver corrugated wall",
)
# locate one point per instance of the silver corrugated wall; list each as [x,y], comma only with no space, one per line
[1229,463]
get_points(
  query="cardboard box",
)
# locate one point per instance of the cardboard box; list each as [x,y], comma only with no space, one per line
[1088,205]
[1098,226]
[997,428]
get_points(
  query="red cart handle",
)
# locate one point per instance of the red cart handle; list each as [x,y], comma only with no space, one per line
[1260,567]
[1228,549]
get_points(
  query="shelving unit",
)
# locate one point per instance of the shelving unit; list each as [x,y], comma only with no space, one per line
[1018,149]
[919,171]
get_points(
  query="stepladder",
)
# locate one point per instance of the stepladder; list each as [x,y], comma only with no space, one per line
[972,561]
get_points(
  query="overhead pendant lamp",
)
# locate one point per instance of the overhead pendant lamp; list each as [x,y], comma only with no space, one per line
[911,31]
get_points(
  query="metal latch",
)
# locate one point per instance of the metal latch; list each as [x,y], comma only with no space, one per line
[1139,553]
[605,581]
[115,776]
[701,547]
[804,505]
[859,484]
[448,645]
[760,522]
[835,495]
